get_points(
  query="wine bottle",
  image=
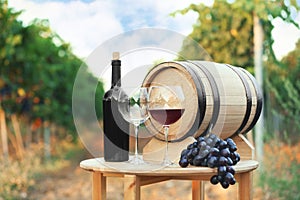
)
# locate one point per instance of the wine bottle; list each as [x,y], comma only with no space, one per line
[116,129]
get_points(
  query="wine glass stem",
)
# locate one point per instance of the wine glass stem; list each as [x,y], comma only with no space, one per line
[166,130]
[136,130]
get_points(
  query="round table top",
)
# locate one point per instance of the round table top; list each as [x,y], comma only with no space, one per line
[98,164]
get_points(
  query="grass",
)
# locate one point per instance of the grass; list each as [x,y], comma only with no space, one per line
[19,177]
[280,176]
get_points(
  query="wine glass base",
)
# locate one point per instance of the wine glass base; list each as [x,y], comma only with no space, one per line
[137,160]
[168,163]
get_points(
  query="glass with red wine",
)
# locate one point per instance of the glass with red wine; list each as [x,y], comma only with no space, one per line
[166,107]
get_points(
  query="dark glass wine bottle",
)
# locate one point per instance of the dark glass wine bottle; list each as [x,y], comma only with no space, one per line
[116,129]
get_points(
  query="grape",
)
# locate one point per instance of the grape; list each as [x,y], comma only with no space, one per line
[223,144]
[195,144]
[213,136]
[211,151]
[183,162]
[214,151]
[233,181]
[232,148]
[195,151]
[200,139]
[204,153]
[222,161]
[212,161]
[209,142]
[197,160]
[231,145]
[214,180]
[189,154]
[229,161]
[234,162]
[201,144]
[225,184]
[207,148]
[230,170]
[238,158]
[228,177]
[220,178]
[229,140]
[183,157]
[203,148]
[222,170]
[190,146]
[217,142]
[184,152]
[225,152]
[232,156]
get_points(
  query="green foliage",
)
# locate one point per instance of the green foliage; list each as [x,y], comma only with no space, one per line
[10,33]
[285,186]
[225,30]
[283,85]
[37,71]
[280,176]
[85,88]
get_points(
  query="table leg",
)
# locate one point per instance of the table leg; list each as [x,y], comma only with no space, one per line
[245,186]
[197,190]
[99,186]
[132,187]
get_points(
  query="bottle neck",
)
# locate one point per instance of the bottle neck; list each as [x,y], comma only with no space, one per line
[116,73]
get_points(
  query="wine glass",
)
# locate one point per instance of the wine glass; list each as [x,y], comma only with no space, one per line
[166,107]
[134,109]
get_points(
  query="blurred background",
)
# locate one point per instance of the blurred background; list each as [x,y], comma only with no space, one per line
[44,43]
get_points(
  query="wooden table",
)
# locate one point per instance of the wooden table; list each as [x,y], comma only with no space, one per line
[134,178]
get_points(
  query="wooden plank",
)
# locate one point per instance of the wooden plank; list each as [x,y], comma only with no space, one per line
[235,100]
[147,180]
[203,177]
[13,141]
[47,141]
[132,187]
[99,186]
[18,134]
[245,148]
[245,186]
[176,171]
[198,190]
[3,130]
[90,164]
[133,181]
[113,174]
[249,137]
[233,109]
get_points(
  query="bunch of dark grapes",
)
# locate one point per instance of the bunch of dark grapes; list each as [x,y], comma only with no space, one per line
[211,151]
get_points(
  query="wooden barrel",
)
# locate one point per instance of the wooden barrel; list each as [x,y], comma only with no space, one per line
[220,98]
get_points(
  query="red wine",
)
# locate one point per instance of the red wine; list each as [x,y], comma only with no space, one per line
[166,116]
[116,128]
